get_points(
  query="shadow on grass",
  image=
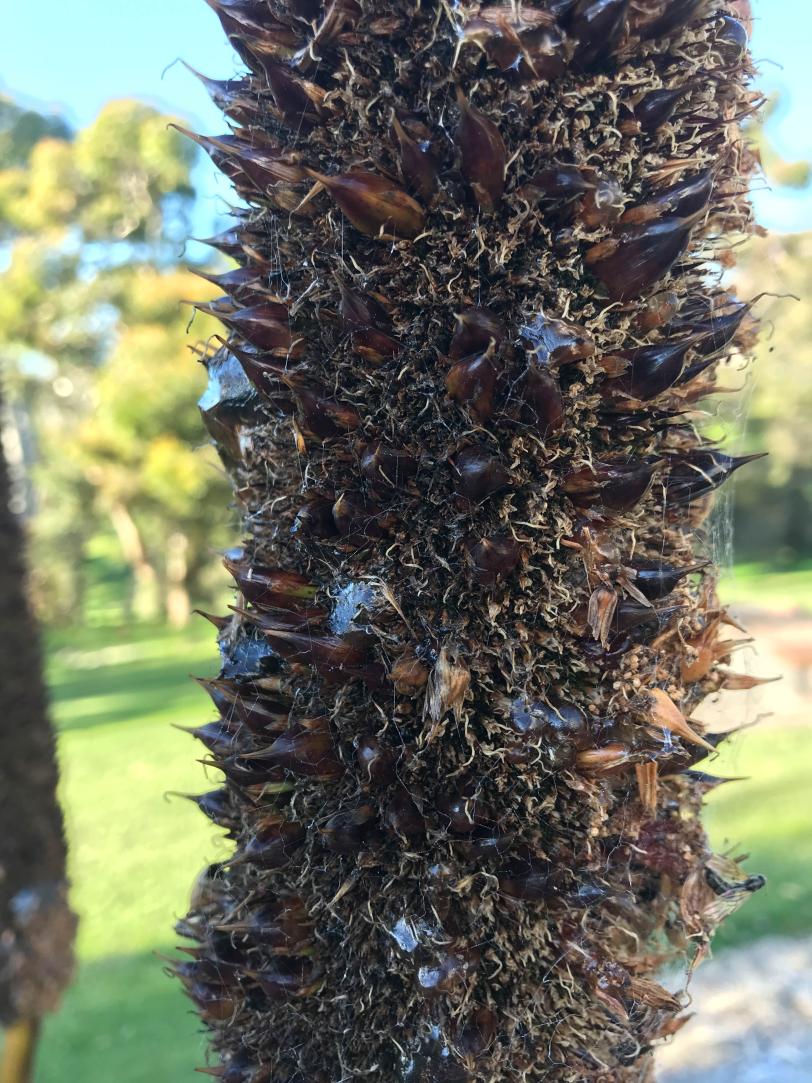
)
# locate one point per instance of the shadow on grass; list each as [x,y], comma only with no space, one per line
[122,1020]
[104,681]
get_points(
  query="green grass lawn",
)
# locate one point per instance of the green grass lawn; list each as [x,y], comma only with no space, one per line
[135,852]
[752,584]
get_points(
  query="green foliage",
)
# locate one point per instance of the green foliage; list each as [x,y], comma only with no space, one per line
[94,344]
[109,181]
[774,497]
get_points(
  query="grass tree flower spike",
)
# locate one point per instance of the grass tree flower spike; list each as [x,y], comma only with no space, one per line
[473,317]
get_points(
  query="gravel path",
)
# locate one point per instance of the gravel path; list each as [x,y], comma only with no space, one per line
[754,1022]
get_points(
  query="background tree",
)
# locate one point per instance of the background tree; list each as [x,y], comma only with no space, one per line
[36,925]
[92,332]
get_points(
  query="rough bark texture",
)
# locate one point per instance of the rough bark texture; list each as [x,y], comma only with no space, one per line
[474,309]
[36,924]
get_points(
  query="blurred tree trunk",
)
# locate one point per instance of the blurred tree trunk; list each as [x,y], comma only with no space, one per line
[177,574]
[144,603]
[36,926]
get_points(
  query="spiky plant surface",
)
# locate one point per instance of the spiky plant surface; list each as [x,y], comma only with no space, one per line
[476,311]
[36,924]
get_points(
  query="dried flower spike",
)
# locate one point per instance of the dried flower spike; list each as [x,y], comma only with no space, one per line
[473,308]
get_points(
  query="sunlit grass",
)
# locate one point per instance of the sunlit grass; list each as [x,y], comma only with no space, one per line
[134,851]
[753,584]
[768,816]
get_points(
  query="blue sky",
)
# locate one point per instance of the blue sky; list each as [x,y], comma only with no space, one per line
[72,55]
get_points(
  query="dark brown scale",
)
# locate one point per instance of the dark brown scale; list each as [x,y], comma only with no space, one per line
[334,657]
[267,328]
[472,383]
[652,369]
[375,205]
[217,738]
[307,749]
[274,843]
[483,154]
[377,763]
[485,847]
[272,587]
[349,832]
[477,331]
[493,558]
[357,519]
[289,977]
[479,474]
[387,466]
[544,401]
[598,27]
[403,818]
[658,107]
[297,100]
[477,1032]
[684,199]
[631,615]
[230,242]
[218,807]
[464,814]
[227,94]
[282,925]
[560,184]
[639,256]
[266,373]
[657,580]
[700,473]
[616,486]
[713,335]
[416,165]
[323,417]
[533,885]
[526,42]
[673,15]
[314,519]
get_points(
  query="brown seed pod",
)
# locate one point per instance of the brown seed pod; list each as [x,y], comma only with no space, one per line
[348,832]
[472,383]
[639,256]
[375,205]
[522,40]
[542,396]
[478,331]
[618,486]
[597,26]
[388,466]
[479,475]
[307,749]
[483,154]
[494,558]
[274,843]
[416,165]
[376,762]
